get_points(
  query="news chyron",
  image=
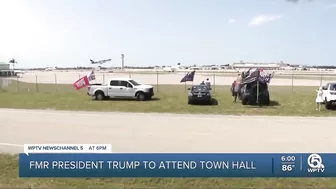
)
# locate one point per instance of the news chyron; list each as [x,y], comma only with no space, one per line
[97,160]
[66,148]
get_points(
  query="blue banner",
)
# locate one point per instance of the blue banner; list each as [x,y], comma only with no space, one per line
[177,165]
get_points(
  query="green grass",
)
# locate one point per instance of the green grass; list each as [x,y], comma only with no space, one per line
[9,179]
[172,99]
[169,98]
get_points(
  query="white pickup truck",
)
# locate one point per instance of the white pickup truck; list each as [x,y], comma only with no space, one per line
[121,88]
[329,95]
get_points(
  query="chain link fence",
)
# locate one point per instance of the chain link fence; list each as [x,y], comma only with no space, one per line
[62,81]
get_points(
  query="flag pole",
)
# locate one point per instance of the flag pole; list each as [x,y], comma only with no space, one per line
[258,91]
[185,83]
[185,86]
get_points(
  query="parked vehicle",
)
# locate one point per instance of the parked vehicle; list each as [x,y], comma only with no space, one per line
[121,88]
[200,94]
[250,92]
[329,95]
[254,88]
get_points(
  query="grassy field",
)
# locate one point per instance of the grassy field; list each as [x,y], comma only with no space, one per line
[168,98]
[9,179]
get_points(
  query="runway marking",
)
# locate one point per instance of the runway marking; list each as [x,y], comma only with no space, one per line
[8,144]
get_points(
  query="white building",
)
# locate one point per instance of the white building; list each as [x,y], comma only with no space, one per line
[267,66]
[6,69]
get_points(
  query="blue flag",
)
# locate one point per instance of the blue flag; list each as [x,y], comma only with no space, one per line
[188,77]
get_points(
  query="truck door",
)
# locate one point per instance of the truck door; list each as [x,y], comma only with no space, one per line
[113,89]
[126,89]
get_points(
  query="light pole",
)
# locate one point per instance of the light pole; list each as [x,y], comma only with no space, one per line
[122,61]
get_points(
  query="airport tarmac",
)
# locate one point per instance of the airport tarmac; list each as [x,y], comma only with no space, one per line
[152,78]
[153,132]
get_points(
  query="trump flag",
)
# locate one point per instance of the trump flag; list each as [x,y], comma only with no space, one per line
[84,81]
[188,77]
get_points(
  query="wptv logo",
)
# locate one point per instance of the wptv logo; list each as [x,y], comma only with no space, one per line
[315,163]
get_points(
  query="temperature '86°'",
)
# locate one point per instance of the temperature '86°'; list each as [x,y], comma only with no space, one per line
[287,168]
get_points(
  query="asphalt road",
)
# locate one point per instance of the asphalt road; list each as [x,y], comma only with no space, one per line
[134,132]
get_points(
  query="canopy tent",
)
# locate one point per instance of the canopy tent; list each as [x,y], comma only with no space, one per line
[251,76]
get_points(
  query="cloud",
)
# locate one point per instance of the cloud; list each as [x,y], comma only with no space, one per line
[262,19]
[293,1]
[64,31]
[231,21]
[296,1]
[331,6]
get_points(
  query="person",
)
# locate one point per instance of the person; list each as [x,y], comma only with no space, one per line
[319,99]
[202,83]
[232,88]
[239,78]
[208,83]
[235,87]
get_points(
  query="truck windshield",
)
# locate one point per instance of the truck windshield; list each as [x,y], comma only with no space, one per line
[134,82]
[200,88]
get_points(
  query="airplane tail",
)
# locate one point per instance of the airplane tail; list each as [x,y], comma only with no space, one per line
[91,61]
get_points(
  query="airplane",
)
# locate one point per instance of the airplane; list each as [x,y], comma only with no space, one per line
[100,61]
[172,68]
[19,73]
[50,69]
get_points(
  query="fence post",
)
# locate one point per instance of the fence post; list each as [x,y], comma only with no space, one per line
[55,81]
[1,84]
[293,81]
[78,76]
[36,83]
[214,81]
[17,84]
[157,81]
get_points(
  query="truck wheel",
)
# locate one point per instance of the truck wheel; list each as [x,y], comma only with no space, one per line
[100,96]
[210,102]
[328,105]
[141,97]
[244,101]
[189,102]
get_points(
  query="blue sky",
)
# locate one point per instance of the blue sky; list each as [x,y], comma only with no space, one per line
[41,33]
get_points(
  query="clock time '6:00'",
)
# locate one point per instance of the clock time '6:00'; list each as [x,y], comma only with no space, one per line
[287,158]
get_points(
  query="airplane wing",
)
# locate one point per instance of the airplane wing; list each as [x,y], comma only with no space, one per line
[103,61]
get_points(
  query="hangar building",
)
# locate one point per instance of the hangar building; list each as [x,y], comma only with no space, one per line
[6,70]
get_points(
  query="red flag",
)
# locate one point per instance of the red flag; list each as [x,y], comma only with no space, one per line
[82,82]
